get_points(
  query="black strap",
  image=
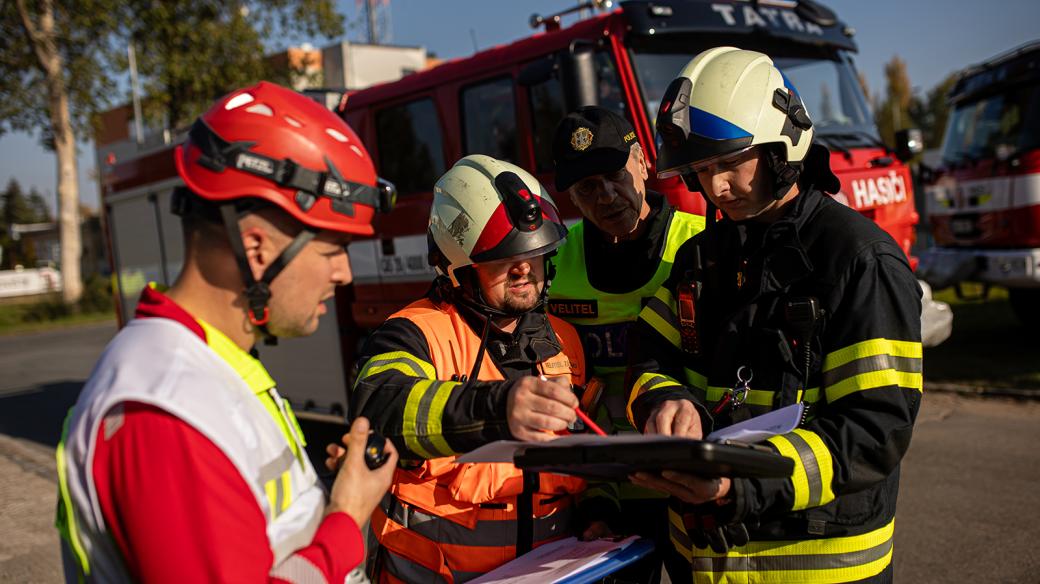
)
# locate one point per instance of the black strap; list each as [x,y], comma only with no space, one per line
[259,292]
[525,513]
[219,154]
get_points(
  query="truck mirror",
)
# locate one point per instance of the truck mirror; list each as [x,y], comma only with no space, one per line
[579,75]
[909,142]
[537,72]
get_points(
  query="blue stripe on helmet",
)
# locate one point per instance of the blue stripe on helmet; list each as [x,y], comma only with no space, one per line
[788,84]
[713,127]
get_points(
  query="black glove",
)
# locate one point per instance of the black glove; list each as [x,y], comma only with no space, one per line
[710,525]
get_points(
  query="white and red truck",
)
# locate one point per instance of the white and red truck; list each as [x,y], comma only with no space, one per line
[983,201]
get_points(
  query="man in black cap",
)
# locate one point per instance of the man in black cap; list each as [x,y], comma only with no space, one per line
[613,260]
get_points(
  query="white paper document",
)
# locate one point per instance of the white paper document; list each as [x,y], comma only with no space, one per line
[757,429]
[554,561]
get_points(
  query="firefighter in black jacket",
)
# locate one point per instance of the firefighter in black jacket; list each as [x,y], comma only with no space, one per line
[788,297]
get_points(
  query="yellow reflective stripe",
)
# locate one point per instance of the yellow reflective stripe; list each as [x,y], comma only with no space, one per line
[677,533]
[839,559]
[647,382]
[874,380]
[872,364]
[294,421]
[276,413]
[423,413]
[799,481]
[813,473]
[870,348]
[271,489]
[286,492]
[755,397]
[68,528]
[664,328]
[245,365]
[401,361]
[811,395]
[695,379]
[435,430]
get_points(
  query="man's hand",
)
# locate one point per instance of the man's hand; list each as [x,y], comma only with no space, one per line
[358,490]
[596,530]
[689,488]
[536,407]
[676,417]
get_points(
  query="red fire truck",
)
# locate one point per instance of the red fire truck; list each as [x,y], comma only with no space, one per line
[505,102]
[984,200]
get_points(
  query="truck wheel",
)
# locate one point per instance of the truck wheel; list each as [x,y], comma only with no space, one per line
[1026,304]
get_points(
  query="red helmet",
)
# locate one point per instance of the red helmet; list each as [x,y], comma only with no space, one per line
[275,144]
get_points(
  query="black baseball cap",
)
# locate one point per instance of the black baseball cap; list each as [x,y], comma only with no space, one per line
[590,140]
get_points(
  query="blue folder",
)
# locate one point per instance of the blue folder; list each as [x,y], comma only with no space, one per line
[640,548]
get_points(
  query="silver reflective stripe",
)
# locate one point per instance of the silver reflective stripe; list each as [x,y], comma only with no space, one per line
[422,418]
[486,533]
[870,365]
[792,562]
[406,569]
[298,570]
[277,467]
[811,466]
[279,498]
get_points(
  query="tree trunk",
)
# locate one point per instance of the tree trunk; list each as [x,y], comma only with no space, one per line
[42,38]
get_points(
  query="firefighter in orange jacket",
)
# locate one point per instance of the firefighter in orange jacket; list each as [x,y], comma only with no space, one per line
[476,360]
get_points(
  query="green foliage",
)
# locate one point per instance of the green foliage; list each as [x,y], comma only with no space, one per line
[83,28]
[190,52]
[17,208]
[893,113]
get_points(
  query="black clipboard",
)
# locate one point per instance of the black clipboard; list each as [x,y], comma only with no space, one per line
[616,462]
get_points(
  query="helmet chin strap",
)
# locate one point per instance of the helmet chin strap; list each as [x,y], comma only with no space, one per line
[258,292]
[785,174]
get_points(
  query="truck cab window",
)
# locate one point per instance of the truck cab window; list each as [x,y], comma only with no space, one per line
[548,106]
[489,119]
[411,151]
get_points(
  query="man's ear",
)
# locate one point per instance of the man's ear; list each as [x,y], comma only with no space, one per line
[644,169]
[259,250]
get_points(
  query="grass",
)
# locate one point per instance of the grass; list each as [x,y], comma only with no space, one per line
[49,312]
[989,347]
[9,325]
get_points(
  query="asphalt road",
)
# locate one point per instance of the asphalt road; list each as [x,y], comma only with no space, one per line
[969,507]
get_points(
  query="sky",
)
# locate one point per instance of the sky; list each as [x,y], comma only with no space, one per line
[934,37]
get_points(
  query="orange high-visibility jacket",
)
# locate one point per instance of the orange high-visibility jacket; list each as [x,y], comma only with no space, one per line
[450,522]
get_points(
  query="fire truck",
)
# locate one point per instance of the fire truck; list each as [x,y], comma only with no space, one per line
[505,102]
[983,202]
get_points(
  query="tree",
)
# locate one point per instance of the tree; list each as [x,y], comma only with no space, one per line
[893,114]
[51,79]
[190,52]
[932,112]
[16,208]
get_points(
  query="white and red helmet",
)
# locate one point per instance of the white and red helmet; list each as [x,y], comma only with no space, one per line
[487,210]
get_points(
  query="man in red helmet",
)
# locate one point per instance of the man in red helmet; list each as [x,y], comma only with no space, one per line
[180,462]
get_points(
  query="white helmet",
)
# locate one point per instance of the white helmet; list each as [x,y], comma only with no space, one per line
[726,100]
[487,210]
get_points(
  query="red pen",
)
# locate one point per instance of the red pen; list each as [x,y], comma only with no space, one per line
[583,416]
[588,422]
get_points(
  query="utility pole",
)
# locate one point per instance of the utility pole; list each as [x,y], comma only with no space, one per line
[370,12]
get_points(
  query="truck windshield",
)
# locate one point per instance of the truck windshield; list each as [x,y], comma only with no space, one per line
[829,89]
[1001,126]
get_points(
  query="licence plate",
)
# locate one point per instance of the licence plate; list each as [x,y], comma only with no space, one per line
[963,225]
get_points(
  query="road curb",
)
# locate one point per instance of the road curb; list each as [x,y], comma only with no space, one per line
[31,457]
[982,391]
